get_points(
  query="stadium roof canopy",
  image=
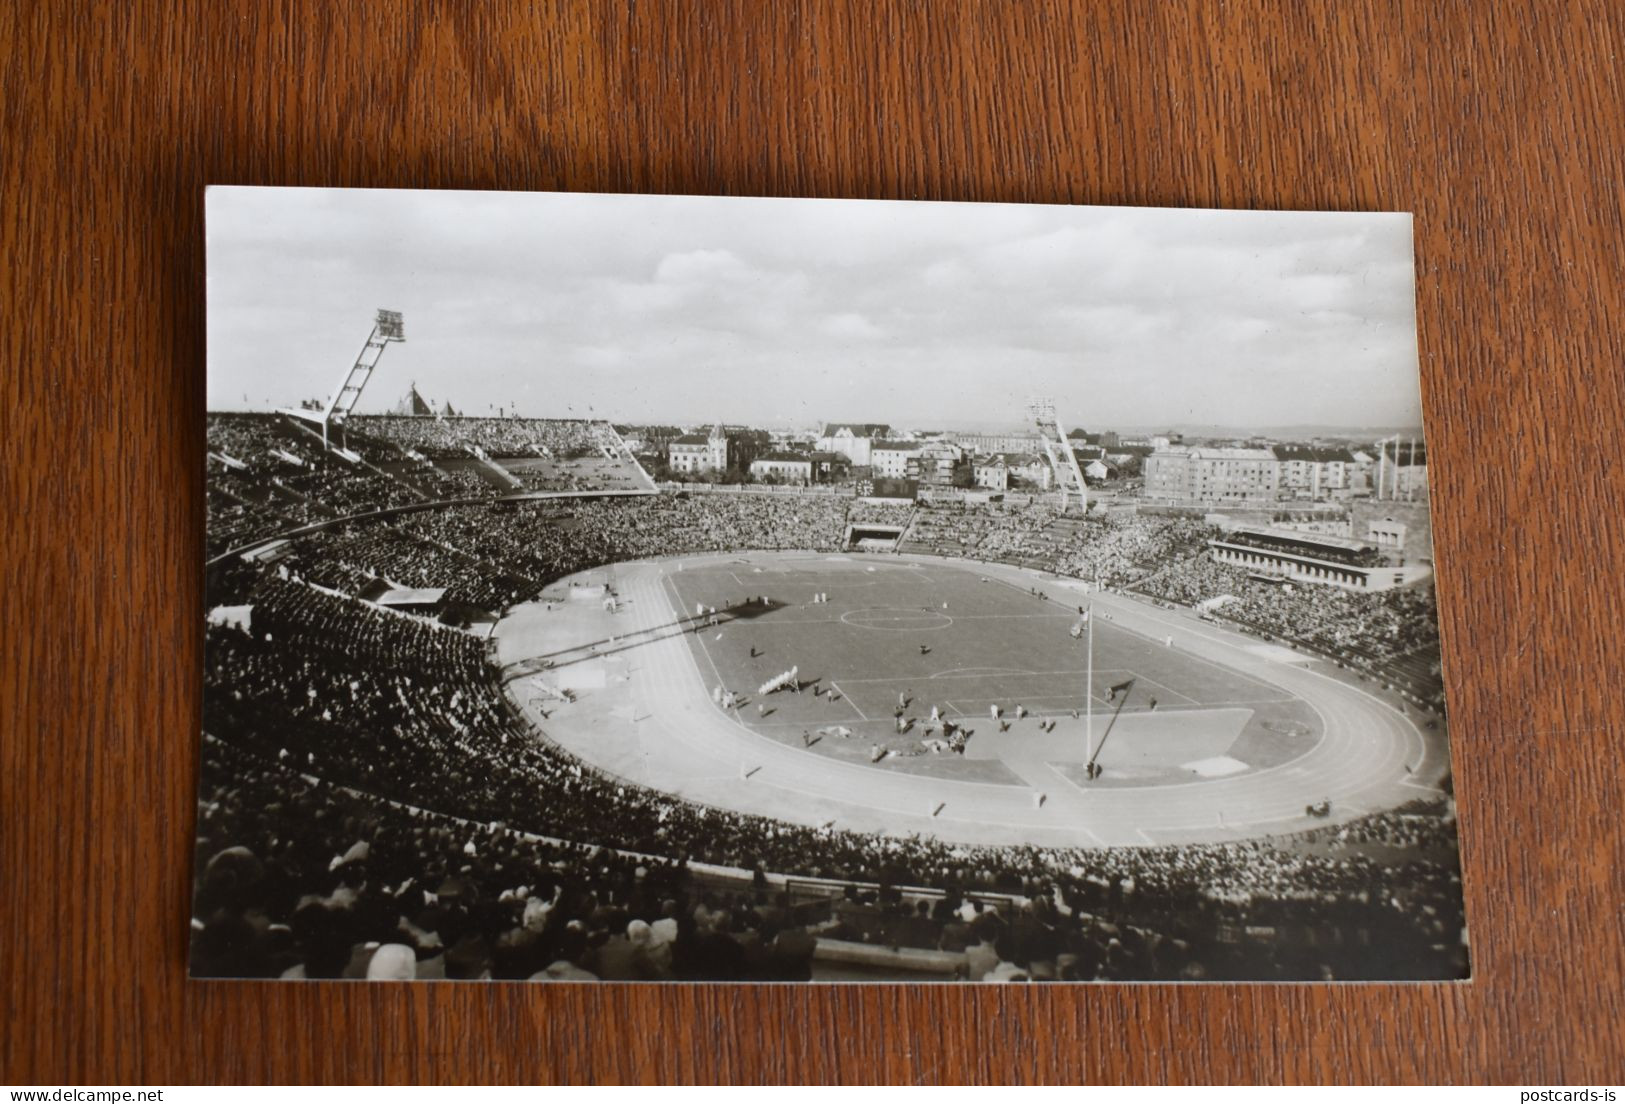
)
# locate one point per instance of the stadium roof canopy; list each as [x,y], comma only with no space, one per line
[411,596]
[1302,536]
[267,553]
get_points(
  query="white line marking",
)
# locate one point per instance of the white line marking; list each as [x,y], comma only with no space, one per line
[844,697]
[989,672]
[1363,724]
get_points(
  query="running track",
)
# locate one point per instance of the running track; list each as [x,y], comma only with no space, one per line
[1370,757]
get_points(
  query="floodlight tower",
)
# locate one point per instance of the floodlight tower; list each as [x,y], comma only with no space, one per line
[386,327]
[1062,460]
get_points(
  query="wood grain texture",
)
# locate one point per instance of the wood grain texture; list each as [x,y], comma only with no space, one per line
[1500,125]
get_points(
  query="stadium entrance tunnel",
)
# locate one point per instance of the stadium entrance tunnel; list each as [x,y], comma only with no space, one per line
[868,537]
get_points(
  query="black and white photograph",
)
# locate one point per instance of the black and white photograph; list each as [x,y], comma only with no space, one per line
[640,588]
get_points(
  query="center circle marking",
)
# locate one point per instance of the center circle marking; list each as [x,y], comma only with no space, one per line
[896,619]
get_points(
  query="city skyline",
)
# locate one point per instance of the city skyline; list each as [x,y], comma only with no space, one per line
[787,313]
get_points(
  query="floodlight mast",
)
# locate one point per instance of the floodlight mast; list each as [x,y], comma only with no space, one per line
[1062,460]
[388,326]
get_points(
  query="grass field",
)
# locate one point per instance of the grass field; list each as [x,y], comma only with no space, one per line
[943,635]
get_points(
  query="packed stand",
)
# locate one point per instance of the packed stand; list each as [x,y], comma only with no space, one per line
[323,687]
[580,475]
[444,437]
[362,559]
[1119,551]
[1116,550]
[1393,634]
[280,478]
[863,512]
[991,531]
[271,475]
[299,877]
[368,785]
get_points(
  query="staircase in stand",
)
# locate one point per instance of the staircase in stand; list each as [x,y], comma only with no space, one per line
[508,481]
[356,460]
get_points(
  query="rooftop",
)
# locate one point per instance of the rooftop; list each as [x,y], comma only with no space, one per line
[857,429]
[1314,454]
[1229,453]
[411,596]
[1299,536]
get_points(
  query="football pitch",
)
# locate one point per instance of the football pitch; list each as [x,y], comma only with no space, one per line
[879,643]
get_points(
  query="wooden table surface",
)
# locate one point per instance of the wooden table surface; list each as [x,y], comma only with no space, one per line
[1498,124]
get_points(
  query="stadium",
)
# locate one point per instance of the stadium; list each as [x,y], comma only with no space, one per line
[484,698]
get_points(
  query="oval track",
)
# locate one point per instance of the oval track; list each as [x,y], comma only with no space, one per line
[1370,756]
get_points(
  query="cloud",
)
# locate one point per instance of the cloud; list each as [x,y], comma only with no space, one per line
[687,308]
[702,266]
[850,326]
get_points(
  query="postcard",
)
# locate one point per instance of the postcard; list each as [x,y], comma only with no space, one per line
[677,588]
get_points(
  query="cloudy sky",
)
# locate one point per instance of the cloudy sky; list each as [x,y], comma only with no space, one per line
[789,312]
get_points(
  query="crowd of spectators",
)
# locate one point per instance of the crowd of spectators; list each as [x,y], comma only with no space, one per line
[665,524]
[279,477]
[581,475]
[1393,634]
[300,877]
[1193,581]
[1426,826]
[546,540]
[236,520]
[1116,550]
[490,558]
[339,490]
[250,439]
[397,714]
[442,482]
[870,512]
[364,559]
[989,531]
[442,436]
[1121,550]
[373,805]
